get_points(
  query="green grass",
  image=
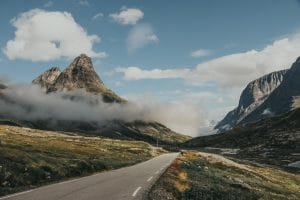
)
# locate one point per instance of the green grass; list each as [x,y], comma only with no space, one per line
[206,176]
[30,157]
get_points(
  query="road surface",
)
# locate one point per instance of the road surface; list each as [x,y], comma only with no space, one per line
[125,183]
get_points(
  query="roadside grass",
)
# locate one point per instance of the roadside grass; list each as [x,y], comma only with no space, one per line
[30,157]
[195,175]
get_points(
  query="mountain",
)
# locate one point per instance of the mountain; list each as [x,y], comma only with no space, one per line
[255,93]
[273,140]
[80,74]
[282,99]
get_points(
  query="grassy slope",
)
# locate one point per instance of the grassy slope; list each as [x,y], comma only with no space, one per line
[272,141]
[209,176]
[30,157]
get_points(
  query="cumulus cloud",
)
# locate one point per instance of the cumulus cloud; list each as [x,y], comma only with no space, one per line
[97,15]
[30,102]
[42,36]
[127,16]
[234,70]
[140,36]
[200,53]
[182,116]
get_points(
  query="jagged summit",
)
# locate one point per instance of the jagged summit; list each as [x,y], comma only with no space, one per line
[48,78]
[80,74]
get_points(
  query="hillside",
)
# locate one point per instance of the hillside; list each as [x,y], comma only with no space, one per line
[273,140]
[206,176]
[31,157]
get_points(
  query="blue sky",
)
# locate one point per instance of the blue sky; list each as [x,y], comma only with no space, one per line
[149,49]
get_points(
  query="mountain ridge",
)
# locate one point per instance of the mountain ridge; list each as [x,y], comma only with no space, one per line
[282,98]
[254,94]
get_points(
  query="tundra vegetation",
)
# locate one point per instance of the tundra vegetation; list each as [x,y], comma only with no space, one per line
[31,157]
[196,175]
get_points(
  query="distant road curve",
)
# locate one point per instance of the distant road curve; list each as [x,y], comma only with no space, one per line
[125,183]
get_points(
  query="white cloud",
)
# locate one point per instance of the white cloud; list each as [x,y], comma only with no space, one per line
[42,36]
[200,53]
[97,16]
[234,70]
[84,3]
[240,68]
[136,73]
[140,36]
[48,4]
[181,116]
[127,16]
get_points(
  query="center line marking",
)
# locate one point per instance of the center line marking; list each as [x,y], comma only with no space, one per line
[136,191]
[149,179]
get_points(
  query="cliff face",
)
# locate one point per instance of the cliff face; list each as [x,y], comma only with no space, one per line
[80,74]
[281,100]
[255,93]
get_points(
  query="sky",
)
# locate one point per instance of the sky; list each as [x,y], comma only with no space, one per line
[196,53]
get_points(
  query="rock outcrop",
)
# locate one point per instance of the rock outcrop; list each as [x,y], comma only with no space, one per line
[48,78]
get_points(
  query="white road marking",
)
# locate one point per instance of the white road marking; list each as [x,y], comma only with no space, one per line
[136,191]
[17,194]
[70,181]
[149,179]
[162,168]
[157,172]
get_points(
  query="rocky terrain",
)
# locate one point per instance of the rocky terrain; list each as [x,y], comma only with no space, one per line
[48,78]
[255,93]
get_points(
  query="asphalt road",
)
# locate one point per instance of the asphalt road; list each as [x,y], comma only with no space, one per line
[125,183]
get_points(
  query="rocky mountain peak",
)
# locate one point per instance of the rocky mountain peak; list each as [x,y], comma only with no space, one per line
[81,67]
[48,78]
[79,75]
